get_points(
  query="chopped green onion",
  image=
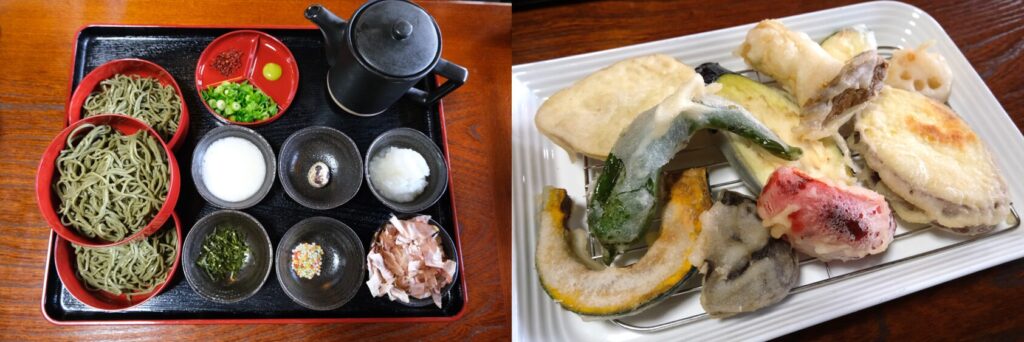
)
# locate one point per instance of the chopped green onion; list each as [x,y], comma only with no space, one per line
[240,102]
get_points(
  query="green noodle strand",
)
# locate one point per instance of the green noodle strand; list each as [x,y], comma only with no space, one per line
[143,98]
[134,268]
[110,185]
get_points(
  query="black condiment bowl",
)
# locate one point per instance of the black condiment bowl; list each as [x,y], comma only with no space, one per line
[239,132]
[437,181]
[337,151]
[447,244]
[255,270]
[343,264]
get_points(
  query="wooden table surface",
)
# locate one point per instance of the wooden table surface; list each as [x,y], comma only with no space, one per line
[985,305]
[36,41]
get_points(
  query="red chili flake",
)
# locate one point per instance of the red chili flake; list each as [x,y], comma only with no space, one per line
[227,62]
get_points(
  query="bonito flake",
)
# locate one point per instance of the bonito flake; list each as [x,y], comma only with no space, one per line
[406,259]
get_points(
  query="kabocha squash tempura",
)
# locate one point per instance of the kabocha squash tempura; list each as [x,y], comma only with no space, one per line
[619,291]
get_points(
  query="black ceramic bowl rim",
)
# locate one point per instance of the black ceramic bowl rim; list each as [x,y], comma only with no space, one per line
[198,234]
[347,192]
[450,252]
[283,255]
[430,152]
[240,132]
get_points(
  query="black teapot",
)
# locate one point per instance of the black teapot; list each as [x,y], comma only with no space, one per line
[386,48]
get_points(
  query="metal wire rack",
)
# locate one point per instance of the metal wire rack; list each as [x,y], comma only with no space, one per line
[693,286]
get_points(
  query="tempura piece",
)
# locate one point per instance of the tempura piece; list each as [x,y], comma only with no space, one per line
[588,116]
[744,268]
[825,220]
[921,71]
[825,88]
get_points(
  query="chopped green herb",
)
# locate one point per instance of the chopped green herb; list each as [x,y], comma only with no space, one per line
[223,253]
[239,102]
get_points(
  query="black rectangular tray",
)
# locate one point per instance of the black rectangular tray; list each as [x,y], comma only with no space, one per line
[177,49]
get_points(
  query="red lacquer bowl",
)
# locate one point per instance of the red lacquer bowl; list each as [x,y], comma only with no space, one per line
[128,66]
[66,263]
[257,49]
[47,175]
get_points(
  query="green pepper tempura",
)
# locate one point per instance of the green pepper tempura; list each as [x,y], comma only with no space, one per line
[223,253]
[239,102]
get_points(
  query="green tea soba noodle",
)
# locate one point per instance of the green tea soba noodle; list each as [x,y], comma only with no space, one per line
[110,185]
[134,268]
[143,98]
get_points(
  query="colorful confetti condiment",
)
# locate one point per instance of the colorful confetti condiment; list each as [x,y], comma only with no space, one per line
[307,259]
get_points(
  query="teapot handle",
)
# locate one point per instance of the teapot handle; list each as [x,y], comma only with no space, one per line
[456,76]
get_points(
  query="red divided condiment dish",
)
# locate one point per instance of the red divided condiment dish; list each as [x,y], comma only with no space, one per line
[64,259]
[257,49]
[47,175]
[128,66]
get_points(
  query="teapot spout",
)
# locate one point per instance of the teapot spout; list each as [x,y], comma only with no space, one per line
[332,27]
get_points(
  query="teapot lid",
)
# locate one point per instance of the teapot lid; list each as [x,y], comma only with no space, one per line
[395,38]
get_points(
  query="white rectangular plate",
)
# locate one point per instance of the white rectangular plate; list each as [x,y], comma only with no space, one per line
[537,162]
